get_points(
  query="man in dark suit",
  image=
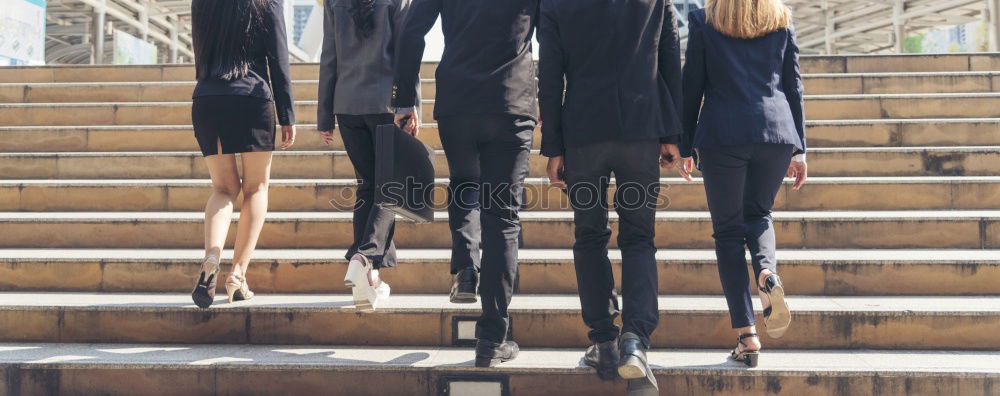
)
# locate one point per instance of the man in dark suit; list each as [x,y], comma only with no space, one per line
[619,63]
[486,113]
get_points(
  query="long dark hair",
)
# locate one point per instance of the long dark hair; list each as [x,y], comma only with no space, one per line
[223,33]
[363,13]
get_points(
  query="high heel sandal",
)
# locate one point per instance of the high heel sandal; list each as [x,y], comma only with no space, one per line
[748,358]
[239,290]
[204,291]
[367,288]
[777,317]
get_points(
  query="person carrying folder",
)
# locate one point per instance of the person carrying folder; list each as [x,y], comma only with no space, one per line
[610,79]
[355,87]
[486,113]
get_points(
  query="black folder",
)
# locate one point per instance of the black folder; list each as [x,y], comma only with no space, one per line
[404,174]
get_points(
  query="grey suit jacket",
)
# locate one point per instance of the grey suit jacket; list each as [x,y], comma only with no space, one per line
[356,75]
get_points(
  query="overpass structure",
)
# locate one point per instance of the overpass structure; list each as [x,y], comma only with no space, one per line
[78,30]
[881,26]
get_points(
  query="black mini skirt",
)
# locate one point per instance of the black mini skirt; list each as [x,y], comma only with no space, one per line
[240,123]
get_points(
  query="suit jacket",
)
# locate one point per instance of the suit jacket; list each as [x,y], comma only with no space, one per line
[355,75]
[752,89]
[269,77]
[487,66]
[619,62]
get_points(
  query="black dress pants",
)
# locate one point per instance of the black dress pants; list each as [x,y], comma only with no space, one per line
[635,165]
[741,183]
[373,226]
[488,160]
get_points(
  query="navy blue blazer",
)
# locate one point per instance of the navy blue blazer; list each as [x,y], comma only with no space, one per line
[752,89]
[620,60]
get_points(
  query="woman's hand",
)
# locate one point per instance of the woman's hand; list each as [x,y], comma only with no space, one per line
[670,157]
[799,170]
[687,166]
[327,137]
[555,169]
[409,123]
[287,136]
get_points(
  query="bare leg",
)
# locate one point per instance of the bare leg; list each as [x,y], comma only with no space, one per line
[764,300]
[219,209]
[753,343]
[256,176]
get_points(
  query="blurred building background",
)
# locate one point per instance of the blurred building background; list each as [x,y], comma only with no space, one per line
[159,31]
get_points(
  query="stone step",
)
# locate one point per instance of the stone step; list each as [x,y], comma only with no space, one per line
[821,193]
[430,320]
[818,107]
[542,271]
[541,230]
[129,369]
[815,84]
[919,63]
[826,133]
[840,162]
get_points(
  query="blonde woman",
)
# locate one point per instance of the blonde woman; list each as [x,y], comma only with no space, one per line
[742,60]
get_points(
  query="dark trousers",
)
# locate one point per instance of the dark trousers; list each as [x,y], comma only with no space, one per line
[373,226]
[635,165]
[488,161]
[741,183]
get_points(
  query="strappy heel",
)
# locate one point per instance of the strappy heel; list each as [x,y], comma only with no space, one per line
[777,317]
[204,291]
[748,358]
[239,290]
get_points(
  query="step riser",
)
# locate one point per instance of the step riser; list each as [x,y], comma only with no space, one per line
[809,64]
[675,233]
[907,134]
[152,139]
[337,165]
[309,90]
[338,197]
[31,379]
[562,328]
[180,114]
[830,278]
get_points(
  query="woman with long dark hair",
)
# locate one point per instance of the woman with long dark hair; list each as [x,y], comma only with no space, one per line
[743,61]
[356,87]
[241,63]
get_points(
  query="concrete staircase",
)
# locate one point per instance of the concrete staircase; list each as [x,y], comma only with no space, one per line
[890,253]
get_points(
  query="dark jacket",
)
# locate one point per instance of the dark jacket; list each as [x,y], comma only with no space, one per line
[621,64]
[487,66]
[270,53]
[752,89]
[355,74]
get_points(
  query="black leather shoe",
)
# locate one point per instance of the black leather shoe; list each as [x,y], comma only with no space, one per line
[633,366]
[489,354]
[463,291]
[603,356]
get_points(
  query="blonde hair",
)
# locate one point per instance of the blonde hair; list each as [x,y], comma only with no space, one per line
[747,19]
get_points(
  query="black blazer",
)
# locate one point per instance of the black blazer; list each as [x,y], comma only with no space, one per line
[487,66]
[752,89]
[621,64]
[269,77]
